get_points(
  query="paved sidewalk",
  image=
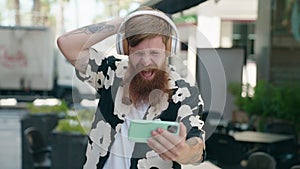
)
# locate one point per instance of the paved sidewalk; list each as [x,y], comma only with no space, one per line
[10,138]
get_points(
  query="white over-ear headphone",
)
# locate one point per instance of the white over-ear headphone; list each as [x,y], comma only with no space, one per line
[121,42]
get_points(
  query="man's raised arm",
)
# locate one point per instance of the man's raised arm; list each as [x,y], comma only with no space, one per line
[75,44]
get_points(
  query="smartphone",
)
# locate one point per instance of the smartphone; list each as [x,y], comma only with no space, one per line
[140,130]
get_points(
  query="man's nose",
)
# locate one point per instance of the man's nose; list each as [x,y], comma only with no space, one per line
[146,60]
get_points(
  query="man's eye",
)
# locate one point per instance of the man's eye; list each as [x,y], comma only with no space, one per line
[138,54]
[156,53]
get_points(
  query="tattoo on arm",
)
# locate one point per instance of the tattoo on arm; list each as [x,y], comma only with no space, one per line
[98,27]
[195,144]
[192,141]
[91,29]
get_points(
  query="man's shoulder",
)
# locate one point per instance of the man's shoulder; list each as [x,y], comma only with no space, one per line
[177,80]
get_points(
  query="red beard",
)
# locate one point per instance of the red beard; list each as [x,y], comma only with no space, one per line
[140,88]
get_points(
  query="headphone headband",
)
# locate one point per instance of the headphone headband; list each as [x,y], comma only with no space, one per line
[153,13]
[121,36]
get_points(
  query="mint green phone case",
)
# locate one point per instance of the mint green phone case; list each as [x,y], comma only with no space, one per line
[140,130]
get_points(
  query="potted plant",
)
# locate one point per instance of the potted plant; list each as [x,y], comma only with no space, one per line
[44,118]
[268,101]
[69,139]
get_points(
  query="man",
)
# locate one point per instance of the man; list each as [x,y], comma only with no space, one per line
[143,86]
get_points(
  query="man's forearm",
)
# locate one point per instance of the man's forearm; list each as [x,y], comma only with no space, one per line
[94,33]
[77,42]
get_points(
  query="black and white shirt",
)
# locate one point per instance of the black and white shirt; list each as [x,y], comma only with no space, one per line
[108,146]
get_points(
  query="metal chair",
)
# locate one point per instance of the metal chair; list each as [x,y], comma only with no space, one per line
[261,160]
[225,151]
[286,154]
[295,167]
[40,151]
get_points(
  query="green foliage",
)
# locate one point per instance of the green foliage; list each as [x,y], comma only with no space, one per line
[287,99]
[262,101]
[282,102]
[60,109]
[69,125]
[76,122]
[236,90]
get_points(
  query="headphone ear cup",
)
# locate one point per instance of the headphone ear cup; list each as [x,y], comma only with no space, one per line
[122,45]
[125,47]
[174,46]
[119,44]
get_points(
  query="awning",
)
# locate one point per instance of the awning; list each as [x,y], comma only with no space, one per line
[172,6]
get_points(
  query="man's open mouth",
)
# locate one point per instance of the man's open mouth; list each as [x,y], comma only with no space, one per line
[147,74]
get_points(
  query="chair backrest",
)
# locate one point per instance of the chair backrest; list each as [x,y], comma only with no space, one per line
[224,149]
[284,128]
[281,128]
[295,167]
[35,139]
[261,160]
[40,151]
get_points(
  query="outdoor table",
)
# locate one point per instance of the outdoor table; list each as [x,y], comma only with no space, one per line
[261,141]
[260,137]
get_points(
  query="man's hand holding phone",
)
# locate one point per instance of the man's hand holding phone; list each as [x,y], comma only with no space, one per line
[168,139]
[172,147]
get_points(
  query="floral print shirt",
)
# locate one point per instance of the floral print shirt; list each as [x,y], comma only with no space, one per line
[105,74]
